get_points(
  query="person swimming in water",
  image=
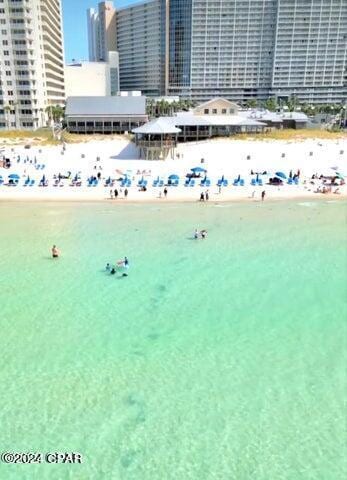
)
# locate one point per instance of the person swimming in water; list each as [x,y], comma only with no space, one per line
[55,252]
[203,233]
[113,271]
[108,267]
[196,234]
[123,263]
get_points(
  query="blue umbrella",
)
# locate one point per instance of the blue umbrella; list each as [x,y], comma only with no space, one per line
[174,177]
[198,170]
[281,175]
[13,176]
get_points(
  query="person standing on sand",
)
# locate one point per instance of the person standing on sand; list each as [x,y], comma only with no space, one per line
[165,192]
[202,197]
[126,193]
[55,252]
[207,196]
[115,193]
[262,195]
[111,194]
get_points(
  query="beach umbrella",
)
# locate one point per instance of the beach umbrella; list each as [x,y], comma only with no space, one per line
[173,177]
[198,170]
[281,175]
[13,176]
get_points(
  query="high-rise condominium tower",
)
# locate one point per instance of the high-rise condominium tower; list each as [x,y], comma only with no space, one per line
[101,31]
[238,49]
[32,61]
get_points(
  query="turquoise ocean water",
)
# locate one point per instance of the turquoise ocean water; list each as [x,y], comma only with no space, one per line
[215,359]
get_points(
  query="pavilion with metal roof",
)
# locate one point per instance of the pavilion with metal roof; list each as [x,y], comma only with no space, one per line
[158,138]
[104,114]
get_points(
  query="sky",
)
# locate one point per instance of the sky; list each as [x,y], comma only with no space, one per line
[75,26]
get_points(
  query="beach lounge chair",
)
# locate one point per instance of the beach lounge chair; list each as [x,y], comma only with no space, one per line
[236,182]
[27,182]
[296,181]
[32,183]
[253,182]
[192,183]
[242,182]
[161,183]
[290,181]
[128,183]
[187,182]
[208,182]
[155,182]
[260,182]
[220,183]
[225,183]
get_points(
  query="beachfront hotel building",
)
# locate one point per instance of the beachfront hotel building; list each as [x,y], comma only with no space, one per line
[237,49]
[93,78]
[101,31]
[32,62]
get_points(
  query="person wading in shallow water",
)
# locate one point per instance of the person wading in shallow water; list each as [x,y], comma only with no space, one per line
[55,252]
[262,195]
[126,193]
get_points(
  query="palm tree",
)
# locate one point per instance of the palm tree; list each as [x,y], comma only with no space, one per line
[271,104]
[55,112]
[251,103]
[292,103]
[150,107]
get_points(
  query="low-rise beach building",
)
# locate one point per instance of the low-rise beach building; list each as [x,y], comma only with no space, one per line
[278,120]
[217,117]
[105,115]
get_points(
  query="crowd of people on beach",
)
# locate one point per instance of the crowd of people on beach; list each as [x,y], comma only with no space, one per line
[130,180]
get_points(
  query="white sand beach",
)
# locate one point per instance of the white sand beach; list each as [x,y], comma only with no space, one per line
[221,157]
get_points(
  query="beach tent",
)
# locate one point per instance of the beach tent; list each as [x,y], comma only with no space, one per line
[13,178]
[198,170]
[281,175]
